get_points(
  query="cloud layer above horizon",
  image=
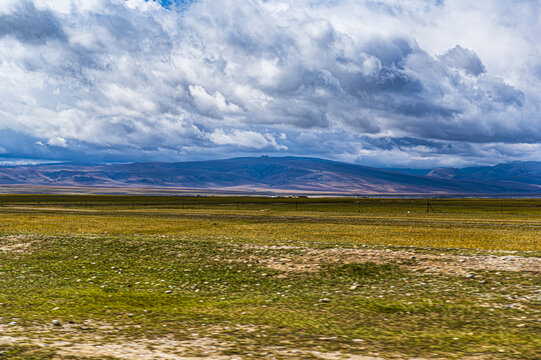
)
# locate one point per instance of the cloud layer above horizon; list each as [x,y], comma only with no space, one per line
[384,83]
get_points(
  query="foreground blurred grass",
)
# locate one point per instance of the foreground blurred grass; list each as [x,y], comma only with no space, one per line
[140,268]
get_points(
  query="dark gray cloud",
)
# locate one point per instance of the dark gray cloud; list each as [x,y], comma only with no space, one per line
[378,82]
[495,90]
[28,24]
[464,59]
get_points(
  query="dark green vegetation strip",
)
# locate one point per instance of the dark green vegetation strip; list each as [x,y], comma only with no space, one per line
[326,204]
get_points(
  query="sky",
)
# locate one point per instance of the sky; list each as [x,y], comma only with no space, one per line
[389,83]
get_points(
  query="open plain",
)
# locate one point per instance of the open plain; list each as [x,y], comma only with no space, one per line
[147,277]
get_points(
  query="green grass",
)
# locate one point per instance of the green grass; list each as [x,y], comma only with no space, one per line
[126,273]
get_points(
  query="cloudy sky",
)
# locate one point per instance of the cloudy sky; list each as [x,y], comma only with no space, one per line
[393,83]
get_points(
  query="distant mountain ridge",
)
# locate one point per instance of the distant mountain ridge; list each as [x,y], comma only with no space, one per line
[281,174]
[528,172]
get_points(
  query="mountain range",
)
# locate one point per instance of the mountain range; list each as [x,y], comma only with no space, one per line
[284,175]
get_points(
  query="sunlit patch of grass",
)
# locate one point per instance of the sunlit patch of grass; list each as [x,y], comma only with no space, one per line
[432,231]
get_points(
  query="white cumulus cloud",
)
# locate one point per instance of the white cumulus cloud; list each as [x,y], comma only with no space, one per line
[116,79]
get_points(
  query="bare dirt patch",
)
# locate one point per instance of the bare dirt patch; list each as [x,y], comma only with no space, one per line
[310,260]
[68,340]
[15,243]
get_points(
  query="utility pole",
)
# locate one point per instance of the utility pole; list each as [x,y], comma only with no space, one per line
[429,207]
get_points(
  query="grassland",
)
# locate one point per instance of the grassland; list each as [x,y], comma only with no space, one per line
[232,277]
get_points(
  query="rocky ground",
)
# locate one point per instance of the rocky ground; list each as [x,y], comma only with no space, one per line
[94,339]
